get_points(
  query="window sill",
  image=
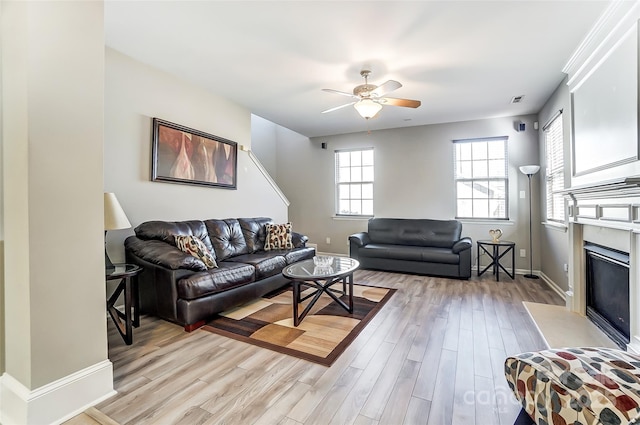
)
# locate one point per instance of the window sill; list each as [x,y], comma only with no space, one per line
[483,221]
[559,227]
[352,217]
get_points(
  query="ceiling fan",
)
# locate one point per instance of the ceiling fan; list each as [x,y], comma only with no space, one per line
[370,98]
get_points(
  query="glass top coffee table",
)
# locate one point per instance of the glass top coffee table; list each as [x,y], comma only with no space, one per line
[321,278]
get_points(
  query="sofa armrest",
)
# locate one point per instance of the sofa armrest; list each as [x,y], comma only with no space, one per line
[360,239]
[461,245]
[163,254]
[299,240]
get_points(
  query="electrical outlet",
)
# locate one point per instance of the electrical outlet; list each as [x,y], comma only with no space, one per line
[328,240]
[522,194]
[523,253]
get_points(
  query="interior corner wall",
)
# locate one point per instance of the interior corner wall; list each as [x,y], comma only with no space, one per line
[264,143]
[413,179]
[52,105]
[2,317]
[135,93]
[554,241]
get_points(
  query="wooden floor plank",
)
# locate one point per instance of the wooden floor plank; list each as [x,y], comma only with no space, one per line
[436,348]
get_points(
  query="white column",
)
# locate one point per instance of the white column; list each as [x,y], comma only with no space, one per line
[576,295]
[634,292]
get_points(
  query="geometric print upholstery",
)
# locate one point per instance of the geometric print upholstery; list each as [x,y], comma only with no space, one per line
[278,236]
[577,385]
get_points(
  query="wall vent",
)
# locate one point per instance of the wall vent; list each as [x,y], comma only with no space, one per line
[517,99]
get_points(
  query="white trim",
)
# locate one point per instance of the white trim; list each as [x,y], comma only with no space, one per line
[352,217]
[267,176]
[553,225]
[554,286]
[58,401]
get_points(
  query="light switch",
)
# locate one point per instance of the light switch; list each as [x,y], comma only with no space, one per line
[522,194]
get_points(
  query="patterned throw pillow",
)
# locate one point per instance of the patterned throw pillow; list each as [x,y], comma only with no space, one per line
[278,237]
[194,246]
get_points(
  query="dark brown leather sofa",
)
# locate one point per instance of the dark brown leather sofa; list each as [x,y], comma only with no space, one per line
[422,246]
[178,287]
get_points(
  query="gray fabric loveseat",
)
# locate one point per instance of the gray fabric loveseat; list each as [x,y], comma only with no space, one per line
[179,287]
[431,247]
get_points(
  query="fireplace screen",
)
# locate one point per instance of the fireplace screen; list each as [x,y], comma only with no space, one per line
[607,277]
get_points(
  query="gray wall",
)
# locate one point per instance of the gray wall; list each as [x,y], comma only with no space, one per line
[413,178]
[135,93]
[554,239]
[264,137]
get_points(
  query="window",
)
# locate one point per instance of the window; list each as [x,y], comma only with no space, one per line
[481,178]
[354,182]
[555,168]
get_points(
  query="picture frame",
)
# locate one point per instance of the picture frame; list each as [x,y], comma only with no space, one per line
[183,155]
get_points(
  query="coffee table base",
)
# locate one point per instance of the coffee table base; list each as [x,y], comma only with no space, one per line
[322,286]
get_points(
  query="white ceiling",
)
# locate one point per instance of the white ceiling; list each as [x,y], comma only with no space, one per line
[464,60]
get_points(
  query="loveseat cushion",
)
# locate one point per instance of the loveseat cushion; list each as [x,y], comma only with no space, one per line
[226,237]
[414,232]
[254,232]
[409,253]
[228,275]
[266,263]
[167,230]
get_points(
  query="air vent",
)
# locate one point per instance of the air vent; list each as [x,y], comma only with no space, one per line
[517,99]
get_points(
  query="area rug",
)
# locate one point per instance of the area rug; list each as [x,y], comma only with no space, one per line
[322,335]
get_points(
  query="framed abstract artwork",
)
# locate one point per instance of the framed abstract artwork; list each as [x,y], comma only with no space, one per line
[184,155]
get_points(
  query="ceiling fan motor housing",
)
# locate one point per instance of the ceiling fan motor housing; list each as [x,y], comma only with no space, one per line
[364,90]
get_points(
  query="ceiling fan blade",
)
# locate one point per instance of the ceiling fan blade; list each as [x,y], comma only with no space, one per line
[386,87]
[341,92]
[408,103]
[338,107]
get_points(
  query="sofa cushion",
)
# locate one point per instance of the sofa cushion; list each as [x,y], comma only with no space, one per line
[228,275]
[414,232]
[297,254]
[278,236]
[409,253]
[266,263]
[226,237]
[166,230]
[194,246]
[254,232]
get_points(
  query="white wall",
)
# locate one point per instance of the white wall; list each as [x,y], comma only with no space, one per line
[413,179]
[52,102]
[554,240]
[134,94]
[264,143]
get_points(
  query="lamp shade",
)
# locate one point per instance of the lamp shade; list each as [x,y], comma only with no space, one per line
[367,108]
[114,216]
[529,170]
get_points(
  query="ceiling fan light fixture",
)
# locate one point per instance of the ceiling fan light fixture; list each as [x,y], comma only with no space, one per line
[367,108]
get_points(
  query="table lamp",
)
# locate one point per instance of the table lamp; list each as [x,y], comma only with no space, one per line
[114,219]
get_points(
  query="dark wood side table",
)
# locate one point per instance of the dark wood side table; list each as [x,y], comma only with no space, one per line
[494,253]
[128,275]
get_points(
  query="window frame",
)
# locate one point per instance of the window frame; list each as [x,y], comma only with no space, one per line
[554,169]
[504,179]
[338,184]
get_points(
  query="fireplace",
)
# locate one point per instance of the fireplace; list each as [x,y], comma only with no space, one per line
[607,291]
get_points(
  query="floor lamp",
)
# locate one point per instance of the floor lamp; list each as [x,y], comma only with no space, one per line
[114,219]
[530,170]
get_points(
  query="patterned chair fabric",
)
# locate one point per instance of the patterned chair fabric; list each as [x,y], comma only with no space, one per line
[577,385]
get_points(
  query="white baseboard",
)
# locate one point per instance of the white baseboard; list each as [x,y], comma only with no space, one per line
[554,286]
[58,401]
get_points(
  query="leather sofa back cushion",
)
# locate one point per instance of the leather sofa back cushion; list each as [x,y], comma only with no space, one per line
[254,232]
[227,238]
[167,230]
[416,232]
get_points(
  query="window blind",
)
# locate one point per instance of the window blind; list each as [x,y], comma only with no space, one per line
[554,151]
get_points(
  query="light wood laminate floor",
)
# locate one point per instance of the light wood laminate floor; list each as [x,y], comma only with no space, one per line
[433,355]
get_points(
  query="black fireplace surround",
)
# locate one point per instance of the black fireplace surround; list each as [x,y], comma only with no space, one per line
[607,279]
